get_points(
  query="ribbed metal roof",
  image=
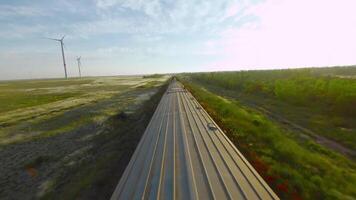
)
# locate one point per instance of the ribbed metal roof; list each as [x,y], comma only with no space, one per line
[184,155]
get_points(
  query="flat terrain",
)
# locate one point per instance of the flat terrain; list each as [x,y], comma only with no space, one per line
[26,104]
[296,127]
[317,102]
[53,130]
[183,155]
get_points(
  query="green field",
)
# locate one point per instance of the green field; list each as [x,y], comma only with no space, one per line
[65,136]
[34,101]
[22,94]
[322,100]
[294,165]
[27,93]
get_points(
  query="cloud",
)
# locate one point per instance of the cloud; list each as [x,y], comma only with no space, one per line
[106,3]
[184,16]
[151,8]
[23,11]
[225,34]
[14,31]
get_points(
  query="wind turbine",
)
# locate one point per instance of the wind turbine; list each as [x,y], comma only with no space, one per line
[79,65]
[64,60]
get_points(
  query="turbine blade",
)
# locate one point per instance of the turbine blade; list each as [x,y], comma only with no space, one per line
[52,39]
[63,37]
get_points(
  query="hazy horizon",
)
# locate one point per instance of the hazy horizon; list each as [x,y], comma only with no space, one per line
[127,37]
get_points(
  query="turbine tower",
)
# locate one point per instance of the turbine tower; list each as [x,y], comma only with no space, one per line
[64,60]
[79,65]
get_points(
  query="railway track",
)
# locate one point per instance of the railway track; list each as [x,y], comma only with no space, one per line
[183,154]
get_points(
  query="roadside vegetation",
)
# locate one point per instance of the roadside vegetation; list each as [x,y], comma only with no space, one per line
[322,100]
[295,167]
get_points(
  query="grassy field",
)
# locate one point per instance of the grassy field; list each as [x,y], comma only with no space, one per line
[22,94]
[295,167]
[322,100]
[57,133]
[33,101]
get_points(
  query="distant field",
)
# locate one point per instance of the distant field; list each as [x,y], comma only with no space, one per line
[42,99]
[27,93]
[71,134]
[322,100]
[30,108]
[266,114]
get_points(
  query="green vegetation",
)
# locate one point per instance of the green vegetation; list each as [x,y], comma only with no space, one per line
[23,94]
[150,84]
[11,100]
[40,83]
[29,108]
[293,169]
[322,100]
[153,76]
[299,87]
[28,93]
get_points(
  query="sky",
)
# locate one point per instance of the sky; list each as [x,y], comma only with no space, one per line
[123,37]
